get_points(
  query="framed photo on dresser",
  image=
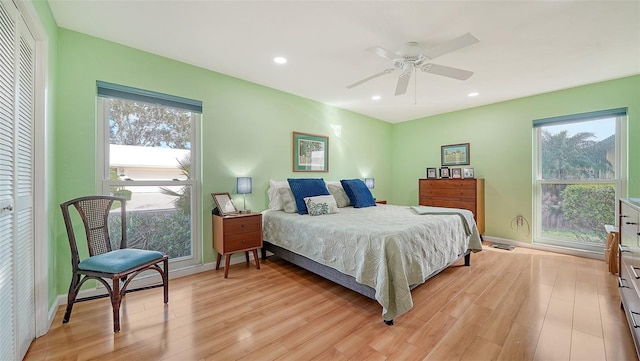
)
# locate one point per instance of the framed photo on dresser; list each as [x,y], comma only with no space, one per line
[467,173]
[444,172]
[456,173]
[432,173]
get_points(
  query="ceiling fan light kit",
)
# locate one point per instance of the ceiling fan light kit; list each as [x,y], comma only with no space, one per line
[411,56]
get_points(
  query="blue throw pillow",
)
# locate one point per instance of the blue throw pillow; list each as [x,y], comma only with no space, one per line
[306,187]
[358,193]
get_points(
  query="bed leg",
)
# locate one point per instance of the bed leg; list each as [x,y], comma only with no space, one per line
[467,259]
[264,253]
[388,323]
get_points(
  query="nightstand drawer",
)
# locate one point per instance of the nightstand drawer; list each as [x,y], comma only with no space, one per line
[242,241]
[242,225]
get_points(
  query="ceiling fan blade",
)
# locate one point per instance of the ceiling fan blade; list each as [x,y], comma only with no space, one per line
[403,82]
[386,71]
[452,45]
[447,71]
[384,53]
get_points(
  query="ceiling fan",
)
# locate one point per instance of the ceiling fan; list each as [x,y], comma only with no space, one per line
[412,56]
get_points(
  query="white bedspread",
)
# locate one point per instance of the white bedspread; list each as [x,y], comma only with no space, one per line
[386,247]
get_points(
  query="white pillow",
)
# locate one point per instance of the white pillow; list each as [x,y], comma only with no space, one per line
[275,202]
[319,205]
[341,197]
[288,202]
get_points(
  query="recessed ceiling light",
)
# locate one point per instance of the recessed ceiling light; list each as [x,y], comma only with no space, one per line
[280,60]
[375,97]
[473,94]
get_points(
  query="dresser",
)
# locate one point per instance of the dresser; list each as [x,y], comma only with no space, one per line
[629,261]
[454,193]
[237,233]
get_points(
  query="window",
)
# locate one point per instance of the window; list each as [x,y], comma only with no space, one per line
[578,173]
[150,158]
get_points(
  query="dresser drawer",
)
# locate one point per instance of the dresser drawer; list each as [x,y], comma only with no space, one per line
[463,193]
[242,241]
[242,225]
[448,203]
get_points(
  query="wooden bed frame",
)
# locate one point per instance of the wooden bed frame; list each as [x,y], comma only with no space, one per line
[339,277]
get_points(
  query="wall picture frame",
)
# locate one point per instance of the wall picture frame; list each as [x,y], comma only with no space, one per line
[444,172]
[468,173]
[432,173]
[224,204]
[456,173]
[455,154]
[310,152]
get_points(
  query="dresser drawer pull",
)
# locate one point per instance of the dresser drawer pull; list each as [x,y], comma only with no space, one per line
[623,248]
[633,272]
[620,284]
[633,320]
[630,223]
[244,241]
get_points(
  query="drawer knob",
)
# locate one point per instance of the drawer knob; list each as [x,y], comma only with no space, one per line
[630,223]
[244,241]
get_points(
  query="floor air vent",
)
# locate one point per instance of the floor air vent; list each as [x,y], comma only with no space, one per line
[503,246]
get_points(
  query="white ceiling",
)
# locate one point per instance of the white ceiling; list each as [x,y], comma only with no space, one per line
[525,48]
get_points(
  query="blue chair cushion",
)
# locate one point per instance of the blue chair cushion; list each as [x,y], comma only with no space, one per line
[119,260]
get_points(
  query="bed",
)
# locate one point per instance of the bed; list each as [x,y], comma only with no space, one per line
[382,251]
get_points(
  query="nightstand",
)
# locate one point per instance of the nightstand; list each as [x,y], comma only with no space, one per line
[237,233]
[381,202]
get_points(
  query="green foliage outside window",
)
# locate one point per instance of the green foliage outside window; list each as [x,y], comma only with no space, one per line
[589,206]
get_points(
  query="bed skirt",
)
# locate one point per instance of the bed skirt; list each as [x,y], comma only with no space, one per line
[335,275]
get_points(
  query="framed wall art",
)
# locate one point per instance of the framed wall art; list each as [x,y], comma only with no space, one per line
[455,154]
[432,173]
[310,153]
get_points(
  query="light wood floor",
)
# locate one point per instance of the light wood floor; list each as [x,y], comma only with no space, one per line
[509,305]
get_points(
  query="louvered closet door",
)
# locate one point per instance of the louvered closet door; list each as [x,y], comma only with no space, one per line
[17,55]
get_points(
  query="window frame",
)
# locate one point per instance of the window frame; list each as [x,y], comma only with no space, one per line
[620,170]
[104,182]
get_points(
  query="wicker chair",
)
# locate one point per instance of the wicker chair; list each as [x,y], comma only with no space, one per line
[121,265]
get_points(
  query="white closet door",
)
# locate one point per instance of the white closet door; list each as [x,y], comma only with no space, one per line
[24,240]
[16,185]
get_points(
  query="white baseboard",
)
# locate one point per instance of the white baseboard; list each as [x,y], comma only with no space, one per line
[547,248]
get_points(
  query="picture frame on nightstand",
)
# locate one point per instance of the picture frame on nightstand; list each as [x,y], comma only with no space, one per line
[432,173]
[224,204]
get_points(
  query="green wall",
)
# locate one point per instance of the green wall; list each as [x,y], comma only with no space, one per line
[246,129]
[501,138]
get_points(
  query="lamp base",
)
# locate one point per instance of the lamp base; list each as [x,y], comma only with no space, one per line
[245,211]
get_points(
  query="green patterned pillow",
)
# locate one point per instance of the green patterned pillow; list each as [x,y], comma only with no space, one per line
[319,205]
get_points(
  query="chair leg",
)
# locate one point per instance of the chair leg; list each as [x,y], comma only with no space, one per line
[115,303]
[71,297]
[165,280]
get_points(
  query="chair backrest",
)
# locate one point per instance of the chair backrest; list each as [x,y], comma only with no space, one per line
[94,212]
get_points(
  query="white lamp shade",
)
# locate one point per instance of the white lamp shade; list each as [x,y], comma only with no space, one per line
[244,185]
[370,182]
